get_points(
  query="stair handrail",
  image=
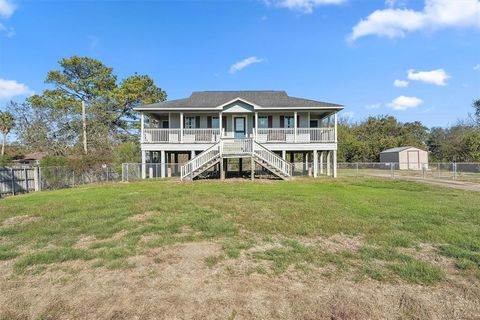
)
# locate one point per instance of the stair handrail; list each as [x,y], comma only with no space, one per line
[273,159]
[206,156]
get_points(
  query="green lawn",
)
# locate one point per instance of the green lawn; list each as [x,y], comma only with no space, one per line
[276,225]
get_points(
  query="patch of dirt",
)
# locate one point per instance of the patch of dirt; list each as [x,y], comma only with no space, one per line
[341,242]
[85,242]
[19,220]
[143,216]
[175,283]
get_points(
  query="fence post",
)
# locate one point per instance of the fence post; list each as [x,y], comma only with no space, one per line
[392,170]
[12,173]
[423,171]
[357,171]
[26,179]
[35,179]
[454,171]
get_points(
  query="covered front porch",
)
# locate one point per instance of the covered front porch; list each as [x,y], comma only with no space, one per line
[264,127]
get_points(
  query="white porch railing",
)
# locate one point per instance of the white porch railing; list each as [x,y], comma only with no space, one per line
[272,159]
[275,135]
[236,147]
[315,135]
[175,135]
[263,135]
[288,135]
[188,169]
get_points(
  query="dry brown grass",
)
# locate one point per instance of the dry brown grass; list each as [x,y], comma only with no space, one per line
[175,283]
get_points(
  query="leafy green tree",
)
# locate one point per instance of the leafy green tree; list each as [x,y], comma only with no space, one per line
[476,114]
[365,140]
[471,146]
[7,122]
[127,152]
[109,103]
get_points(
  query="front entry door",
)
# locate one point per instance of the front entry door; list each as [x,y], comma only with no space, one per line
[239,127]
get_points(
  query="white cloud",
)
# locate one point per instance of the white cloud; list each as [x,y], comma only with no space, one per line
[9,32]
[477,67]
[400,83]
[244,63]
[436,14]
[305,6]
[403,103]
[6,9]
[438,76]
[373,106]
[11,88]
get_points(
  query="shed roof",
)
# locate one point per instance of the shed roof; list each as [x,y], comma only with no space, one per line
[265,99]
[35,156]
[399,149]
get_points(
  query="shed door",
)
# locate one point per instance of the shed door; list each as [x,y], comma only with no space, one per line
[413,159]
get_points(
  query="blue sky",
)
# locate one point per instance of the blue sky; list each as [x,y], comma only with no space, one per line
[344,51]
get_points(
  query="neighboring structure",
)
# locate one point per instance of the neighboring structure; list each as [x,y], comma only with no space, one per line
[260,126]
[408,158]
[33,158]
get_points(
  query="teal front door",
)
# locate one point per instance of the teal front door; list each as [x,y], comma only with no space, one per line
[239,127]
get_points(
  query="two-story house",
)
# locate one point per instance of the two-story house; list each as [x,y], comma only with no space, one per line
[258,126]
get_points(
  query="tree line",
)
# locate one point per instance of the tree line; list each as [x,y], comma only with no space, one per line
[363,141]
[86,118]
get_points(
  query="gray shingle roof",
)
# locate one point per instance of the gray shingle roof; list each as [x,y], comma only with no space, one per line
[266,99]
[397,149]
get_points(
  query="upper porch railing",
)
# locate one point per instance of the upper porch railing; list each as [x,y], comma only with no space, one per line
[261,135]
[176,136]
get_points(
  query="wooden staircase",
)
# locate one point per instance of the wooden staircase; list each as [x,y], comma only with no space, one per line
[236,148]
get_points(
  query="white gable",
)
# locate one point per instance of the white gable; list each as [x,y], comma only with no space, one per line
[238,107]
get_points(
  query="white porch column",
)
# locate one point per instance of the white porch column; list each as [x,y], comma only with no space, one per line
[142,127]
[220,124]
[256,124]
[144,164]
[192,154]
[328,162]
[284,157]
[335,120]
[315,163]
[335,163]
[321,162]
[162,164]
[295,126]
[181,127]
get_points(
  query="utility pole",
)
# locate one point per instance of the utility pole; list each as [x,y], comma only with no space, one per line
[84,128]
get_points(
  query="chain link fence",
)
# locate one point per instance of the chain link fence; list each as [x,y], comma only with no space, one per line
[464,171]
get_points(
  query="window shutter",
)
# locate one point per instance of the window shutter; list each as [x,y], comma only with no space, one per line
[197,122]
[282,121]
[224,122]
[209,122]
[298,121]
[270,121]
